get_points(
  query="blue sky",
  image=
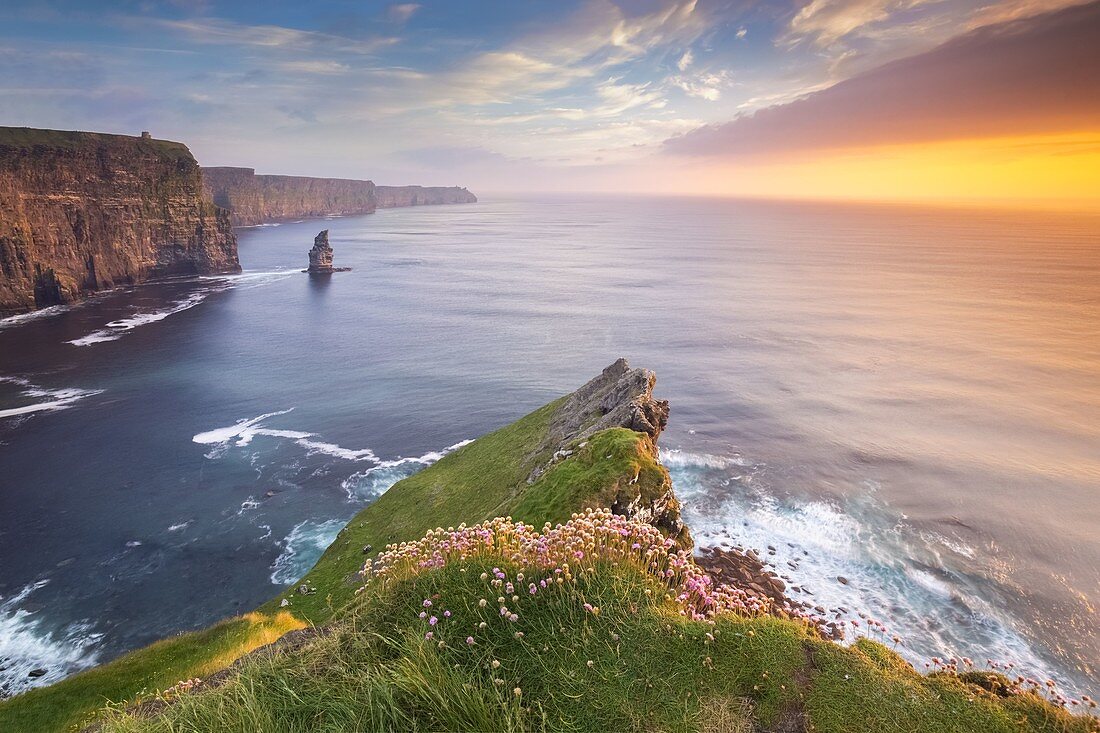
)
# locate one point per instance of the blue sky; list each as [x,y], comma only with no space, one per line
[569,94]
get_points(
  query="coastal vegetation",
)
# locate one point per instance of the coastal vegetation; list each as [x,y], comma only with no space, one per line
[535,579]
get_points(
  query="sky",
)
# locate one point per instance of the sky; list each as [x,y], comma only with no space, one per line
[966,101]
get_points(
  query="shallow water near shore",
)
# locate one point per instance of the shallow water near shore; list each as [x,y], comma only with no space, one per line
[904,398]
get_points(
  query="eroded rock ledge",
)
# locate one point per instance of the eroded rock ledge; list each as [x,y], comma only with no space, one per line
[620,397]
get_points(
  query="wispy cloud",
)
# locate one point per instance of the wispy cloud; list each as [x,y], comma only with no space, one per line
[219,31]
[401,12]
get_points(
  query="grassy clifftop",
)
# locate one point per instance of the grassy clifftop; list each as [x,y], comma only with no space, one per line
[601,625]
[29,138]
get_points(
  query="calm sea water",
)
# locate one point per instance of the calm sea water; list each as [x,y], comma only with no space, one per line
[907,398]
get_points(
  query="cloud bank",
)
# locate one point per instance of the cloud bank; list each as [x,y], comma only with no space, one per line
[1036,75]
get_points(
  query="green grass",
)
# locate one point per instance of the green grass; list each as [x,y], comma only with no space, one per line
[479,481]
[30,137]
[155,667]
[636,666]
[651,669]
[592,477]
[476,482]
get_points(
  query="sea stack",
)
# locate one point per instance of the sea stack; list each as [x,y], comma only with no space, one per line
[320,257]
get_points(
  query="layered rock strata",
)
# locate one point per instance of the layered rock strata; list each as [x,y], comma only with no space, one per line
[255,199]
[82,212]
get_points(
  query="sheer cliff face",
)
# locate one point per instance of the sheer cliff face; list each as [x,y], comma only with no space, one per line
[254,199]
[81,212]
[392,196]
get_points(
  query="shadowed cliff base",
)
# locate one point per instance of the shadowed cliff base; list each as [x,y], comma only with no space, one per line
[82,212]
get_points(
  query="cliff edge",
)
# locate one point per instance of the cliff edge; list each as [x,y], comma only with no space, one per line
[537,578]
[253,198]
[82,212]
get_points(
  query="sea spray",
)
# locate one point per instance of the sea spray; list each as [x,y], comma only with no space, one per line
[858,555]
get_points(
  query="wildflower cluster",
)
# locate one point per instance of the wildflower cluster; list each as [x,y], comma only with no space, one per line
[561,552]
[1009,681]
[181,687]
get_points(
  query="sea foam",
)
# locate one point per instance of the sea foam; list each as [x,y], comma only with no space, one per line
[302,547]
[245,431]
[117,329]
[48,399]
[894,572]
[25,646]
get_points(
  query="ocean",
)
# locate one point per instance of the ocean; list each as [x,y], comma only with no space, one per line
[901,402]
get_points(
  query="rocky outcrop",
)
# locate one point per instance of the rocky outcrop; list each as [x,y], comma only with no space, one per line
[82,212]
[620,397]
[320,257]
[256,199]
[394,196]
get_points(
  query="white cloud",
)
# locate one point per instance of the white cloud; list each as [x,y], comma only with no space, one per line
[313,67]
[706,86]
[685,60]
[401,12]
[218,31]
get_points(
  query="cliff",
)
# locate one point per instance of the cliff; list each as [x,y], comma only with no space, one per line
[592,615]
[81,212]
[255,199]
[393,196]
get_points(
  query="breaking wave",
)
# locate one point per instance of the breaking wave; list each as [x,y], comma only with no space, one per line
[301,549]
[375,481]
[22,318]
[41,399]
[117,329]
[858,555]
[31,656]
[244,431]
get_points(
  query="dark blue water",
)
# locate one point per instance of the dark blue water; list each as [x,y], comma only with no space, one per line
[903,397]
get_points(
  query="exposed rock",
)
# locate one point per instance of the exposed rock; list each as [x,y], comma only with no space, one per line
[37,672]
[620,397]
[392,196]
[255,199]
[82,212]
[320,257]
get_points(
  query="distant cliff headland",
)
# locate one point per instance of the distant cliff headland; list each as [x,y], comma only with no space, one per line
[82,212]
[254,199]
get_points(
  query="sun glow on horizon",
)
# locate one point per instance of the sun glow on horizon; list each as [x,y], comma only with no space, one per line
[1040,171]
